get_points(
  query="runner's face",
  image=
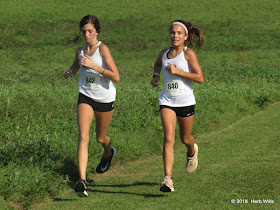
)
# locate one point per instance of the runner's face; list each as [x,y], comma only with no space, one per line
[89,33]
[178,35]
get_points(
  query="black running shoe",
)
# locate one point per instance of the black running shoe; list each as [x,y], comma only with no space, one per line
[105,163]
[81,188]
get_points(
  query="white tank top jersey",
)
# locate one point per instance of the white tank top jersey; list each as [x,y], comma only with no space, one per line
[177,91]
[94,85]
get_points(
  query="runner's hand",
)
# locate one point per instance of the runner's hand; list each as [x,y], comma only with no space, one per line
[172,69]
[87,62]
[155,81]
[67,73]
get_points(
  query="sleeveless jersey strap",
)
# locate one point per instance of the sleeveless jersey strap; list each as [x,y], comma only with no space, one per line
[166,53]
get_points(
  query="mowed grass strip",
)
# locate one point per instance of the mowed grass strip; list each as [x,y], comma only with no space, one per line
[240,162]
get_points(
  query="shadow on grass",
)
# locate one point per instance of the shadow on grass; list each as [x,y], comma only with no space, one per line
[70,169]
[145,195]
[124,185]
[59,199]
[129,193]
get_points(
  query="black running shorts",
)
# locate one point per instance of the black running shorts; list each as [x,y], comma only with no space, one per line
[185,111]
[96,106]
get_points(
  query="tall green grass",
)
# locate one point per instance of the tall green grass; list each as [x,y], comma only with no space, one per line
[240,62]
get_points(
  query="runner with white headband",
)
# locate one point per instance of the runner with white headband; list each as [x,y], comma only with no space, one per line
[180,68]
[181,24]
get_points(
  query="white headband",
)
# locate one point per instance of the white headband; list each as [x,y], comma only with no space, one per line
[181,24]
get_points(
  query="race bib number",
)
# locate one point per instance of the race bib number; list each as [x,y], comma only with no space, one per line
[91,81]
[173,88]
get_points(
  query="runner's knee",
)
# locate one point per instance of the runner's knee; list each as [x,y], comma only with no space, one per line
[83,138]
[187,140]
[169,140]
[103,140]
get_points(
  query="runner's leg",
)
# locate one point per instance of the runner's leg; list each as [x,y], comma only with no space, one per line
[185,125]
[85,115]
[103,120]
[168,118]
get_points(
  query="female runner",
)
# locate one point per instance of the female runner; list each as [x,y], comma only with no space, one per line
[177,102]
[97,94]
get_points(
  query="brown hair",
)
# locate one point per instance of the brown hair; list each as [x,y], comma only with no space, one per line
[195,38]
[90,19]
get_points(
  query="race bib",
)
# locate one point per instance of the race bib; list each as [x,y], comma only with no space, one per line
[91,81]
[173,88]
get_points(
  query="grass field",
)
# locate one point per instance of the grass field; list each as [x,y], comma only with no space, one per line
[38,131]
[234,164]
